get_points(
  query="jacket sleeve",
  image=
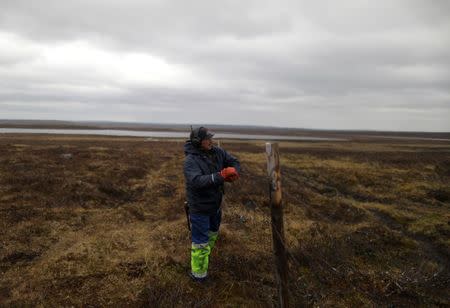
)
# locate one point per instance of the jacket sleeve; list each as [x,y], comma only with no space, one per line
[196,179]
[231,161]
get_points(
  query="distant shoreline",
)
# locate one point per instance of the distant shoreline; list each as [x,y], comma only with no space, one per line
[164,134]
[231,129]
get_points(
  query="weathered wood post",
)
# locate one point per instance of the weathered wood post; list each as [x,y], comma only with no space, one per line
[276,210]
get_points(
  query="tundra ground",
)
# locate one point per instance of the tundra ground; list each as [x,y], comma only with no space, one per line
[99,221]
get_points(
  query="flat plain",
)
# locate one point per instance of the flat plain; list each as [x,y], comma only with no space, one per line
[99,221]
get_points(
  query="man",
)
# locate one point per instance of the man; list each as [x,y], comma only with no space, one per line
[206,168]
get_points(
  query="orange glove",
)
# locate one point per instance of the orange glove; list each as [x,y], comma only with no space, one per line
[229,174]
[232,178]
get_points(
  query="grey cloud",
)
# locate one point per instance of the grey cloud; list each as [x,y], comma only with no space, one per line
[298,60]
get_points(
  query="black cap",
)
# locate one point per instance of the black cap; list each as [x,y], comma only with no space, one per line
[201,133]
[204,133]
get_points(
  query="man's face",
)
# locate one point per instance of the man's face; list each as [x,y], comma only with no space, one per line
[207,144]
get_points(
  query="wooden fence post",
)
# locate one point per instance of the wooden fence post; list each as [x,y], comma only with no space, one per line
[276,210]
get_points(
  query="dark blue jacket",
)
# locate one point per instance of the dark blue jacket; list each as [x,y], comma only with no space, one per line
[204,184]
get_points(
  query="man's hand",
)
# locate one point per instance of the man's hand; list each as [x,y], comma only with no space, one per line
[229,174]
[232,178]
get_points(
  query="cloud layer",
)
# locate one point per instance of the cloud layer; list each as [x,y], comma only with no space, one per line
[356,65]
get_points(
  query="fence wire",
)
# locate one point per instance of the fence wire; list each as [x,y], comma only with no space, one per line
[291,256]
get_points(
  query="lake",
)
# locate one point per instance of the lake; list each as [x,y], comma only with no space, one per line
[157,134]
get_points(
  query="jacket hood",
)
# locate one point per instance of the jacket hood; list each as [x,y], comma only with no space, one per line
[189,148]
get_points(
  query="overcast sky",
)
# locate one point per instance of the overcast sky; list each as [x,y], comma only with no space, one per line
[381,65]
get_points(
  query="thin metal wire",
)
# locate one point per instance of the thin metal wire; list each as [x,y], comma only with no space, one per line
[292,257]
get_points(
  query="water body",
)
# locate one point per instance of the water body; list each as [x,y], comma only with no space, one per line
[405,138]
[156,134]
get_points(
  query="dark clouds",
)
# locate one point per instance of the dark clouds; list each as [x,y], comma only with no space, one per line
[322,64]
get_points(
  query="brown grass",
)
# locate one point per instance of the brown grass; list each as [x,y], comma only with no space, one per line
[367,224]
